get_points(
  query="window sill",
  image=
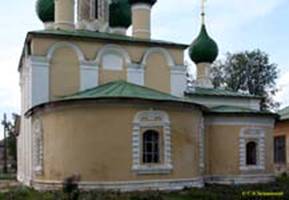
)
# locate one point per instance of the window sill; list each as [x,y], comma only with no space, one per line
[252,167]
[147,170]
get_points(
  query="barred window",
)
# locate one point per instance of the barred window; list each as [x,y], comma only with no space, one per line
[251,153]
[280,149]
[151,151]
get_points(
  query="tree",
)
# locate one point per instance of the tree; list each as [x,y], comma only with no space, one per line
[250,72]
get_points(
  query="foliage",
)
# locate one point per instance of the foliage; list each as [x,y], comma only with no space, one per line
[249,71]
[210,192]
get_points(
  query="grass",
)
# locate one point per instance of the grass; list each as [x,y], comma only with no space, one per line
[7,176]
[211,192]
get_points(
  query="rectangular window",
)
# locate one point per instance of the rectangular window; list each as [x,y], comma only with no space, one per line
[96,9]
[151,147]
[280,149]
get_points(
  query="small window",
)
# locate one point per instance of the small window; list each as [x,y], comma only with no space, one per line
[251,153]
[151,147]
[280,149]
[96,9]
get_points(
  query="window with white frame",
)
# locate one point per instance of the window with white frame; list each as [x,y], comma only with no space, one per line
[252,149]
[251,153]
[151,147]
[151,143]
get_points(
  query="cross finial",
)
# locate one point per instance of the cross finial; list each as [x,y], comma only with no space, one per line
[203,10]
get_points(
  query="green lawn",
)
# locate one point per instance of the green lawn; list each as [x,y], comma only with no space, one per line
[212,192]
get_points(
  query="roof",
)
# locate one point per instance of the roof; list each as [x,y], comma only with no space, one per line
[223,109]
[102,36]
[123,89]
[119,90]
[198,91]
[284,113]
[204,49]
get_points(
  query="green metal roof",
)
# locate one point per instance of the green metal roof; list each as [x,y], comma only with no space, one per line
[123,89]
[204,49]
[198,91]
[284,113]
[101,36]
[224,109]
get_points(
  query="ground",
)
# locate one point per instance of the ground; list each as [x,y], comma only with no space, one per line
[276,190]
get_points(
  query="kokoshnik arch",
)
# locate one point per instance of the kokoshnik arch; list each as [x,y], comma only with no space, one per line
[115,109]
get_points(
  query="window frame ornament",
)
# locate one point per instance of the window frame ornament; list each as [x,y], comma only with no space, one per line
[38,151]
[256,135]
[151,120]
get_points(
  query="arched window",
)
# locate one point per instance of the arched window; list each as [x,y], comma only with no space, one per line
[151,151]
[251,153]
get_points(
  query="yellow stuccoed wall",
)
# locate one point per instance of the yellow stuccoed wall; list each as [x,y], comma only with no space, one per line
[141,20]
[96,142]
[222,150]
[64,73]
[157,71]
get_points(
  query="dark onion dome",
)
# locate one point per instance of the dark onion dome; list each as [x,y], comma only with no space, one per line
[120,14]
[204,49]
[151,2]
[45,10]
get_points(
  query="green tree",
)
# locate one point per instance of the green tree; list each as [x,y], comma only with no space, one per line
[250,72]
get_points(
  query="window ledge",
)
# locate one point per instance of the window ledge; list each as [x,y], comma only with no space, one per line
[252,167]
[146,170]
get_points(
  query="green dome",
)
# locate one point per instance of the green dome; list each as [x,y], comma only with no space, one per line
[120,14]
[45,10]
[151,2]
[204,49]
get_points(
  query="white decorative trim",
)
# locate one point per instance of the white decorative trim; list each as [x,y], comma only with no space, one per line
[151,119]
[118,30]
[201,140]
[49,25]
[169,58]
[166,184]
[38,147]
[241,121]
[178,80]
[213,101]
[141,6]
[115,49]
[89,73]
[39,79]
[127,186]
[141,30]
[256,135]
[135,74]
[240,179]
[58,45]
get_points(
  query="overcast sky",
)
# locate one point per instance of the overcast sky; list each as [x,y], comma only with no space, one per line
[236,25]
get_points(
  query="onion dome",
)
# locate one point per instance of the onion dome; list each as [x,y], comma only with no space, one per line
[120,14]
[204,49]
[45,10]
[150,2]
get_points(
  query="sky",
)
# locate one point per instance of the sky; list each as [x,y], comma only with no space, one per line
[236,25]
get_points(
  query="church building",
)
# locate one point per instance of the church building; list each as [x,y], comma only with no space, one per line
[116,110]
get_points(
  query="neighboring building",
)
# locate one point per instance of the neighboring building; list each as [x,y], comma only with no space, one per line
[281,142]
[115,109]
